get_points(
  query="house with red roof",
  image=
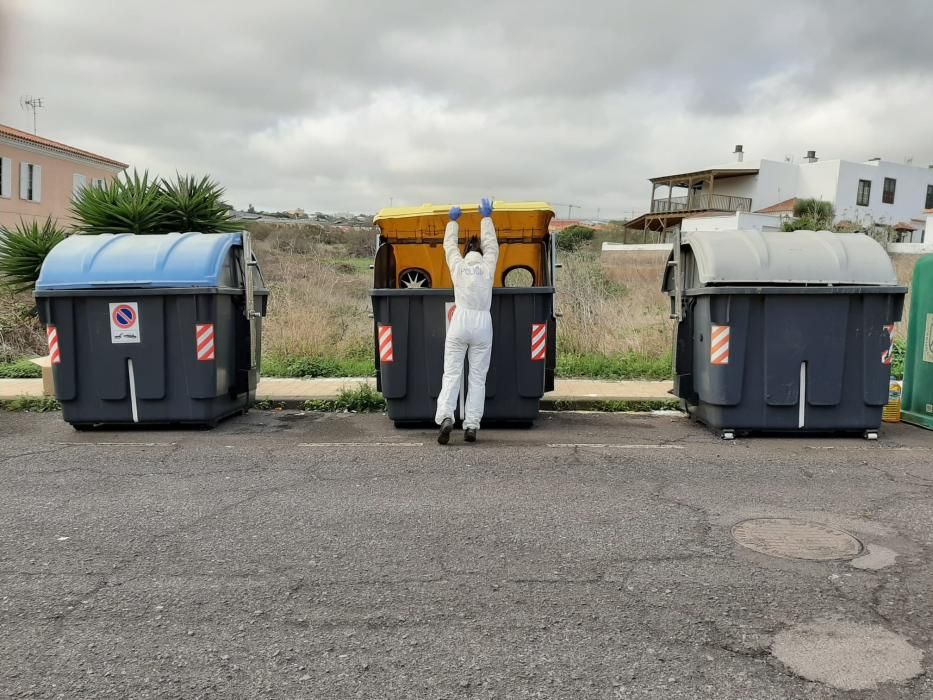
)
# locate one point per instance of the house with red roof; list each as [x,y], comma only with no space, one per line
[39,177]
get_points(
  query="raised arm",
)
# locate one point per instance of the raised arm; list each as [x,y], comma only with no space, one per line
[452,240]
[488,240]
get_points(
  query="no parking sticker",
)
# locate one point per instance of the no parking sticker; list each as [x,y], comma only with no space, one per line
[124,322]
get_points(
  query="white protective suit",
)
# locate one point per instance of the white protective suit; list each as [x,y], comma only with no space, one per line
[470,331]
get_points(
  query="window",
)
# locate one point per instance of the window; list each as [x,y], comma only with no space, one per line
[864,193]
[887,196]
[6,177]
[99,183]
[79,182]
[30,182]
[929,203]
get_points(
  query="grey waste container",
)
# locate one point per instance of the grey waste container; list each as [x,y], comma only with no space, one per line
[783,332]
[152,329]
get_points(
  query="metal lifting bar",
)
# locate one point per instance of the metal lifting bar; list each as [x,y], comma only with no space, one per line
[677,313]
[250,307]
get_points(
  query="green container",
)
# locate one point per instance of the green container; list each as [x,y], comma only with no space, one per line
[918,366]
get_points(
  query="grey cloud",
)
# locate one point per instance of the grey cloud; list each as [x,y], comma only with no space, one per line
[344,104]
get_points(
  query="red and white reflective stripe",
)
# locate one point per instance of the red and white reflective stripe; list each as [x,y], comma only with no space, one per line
[538,341]
[888,353]
[204,341]
[719,345]
[55,355]
[385,344]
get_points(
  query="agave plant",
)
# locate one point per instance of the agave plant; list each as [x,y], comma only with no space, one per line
[131,204]
[22,252]
[189,204]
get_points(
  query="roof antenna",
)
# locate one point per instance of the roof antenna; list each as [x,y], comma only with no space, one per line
[34,104]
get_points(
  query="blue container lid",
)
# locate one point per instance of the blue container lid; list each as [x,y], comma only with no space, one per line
[172,260]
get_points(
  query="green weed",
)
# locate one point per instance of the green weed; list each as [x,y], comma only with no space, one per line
[32,404]
[898,356]
[267,405]
[361,399]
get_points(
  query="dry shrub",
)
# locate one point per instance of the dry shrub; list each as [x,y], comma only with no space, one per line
[21,335]
[318,306]
[612,305]
[302,237]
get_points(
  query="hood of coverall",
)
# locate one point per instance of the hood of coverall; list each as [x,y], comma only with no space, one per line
[473,258]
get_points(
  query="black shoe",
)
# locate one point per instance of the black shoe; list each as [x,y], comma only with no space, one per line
[447,426]
[469,434]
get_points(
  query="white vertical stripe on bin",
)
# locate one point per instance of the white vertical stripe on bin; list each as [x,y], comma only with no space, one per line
[129,366]
[802,401]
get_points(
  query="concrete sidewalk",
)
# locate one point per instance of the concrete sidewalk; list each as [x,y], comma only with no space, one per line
[569,393]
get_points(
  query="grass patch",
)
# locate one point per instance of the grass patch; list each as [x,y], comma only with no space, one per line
[618,406]
[20,369]
[630,365]
[32,404]
[351,265]
[361,399]
[298,367]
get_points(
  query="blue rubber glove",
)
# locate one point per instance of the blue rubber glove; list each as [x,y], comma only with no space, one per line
[485,207]
[455,213]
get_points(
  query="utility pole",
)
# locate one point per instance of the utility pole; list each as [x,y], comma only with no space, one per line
[33,104]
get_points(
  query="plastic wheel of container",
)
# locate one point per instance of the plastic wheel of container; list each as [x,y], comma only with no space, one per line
[82,427]
[415,279]
[727,434]
[871,434]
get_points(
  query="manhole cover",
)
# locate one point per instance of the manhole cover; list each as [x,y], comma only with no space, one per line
[796,539]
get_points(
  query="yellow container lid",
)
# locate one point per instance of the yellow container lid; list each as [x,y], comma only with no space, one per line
[513,220]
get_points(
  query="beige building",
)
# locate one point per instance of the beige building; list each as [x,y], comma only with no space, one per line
[39,177]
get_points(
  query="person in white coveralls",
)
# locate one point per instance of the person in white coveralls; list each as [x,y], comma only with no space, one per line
[470,331]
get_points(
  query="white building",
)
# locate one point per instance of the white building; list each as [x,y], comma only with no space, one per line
[871,192]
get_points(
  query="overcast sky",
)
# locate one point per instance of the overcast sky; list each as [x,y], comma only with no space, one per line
[340,105]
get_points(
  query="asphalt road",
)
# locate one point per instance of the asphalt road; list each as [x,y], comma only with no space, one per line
[296,555]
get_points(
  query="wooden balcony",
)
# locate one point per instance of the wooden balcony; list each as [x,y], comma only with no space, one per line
[701,201]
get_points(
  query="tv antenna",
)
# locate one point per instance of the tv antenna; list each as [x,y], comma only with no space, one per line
[33,104]
[570,208]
